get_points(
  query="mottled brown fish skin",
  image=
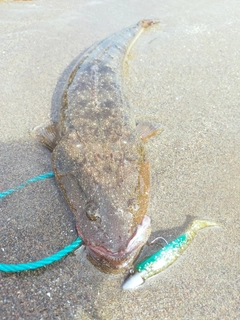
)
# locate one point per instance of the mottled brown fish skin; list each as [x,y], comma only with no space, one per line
[100,163]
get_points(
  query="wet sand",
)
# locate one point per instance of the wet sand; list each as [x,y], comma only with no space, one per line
[185,74]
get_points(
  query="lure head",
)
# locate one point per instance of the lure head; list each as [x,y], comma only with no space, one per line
[107,189]
[133,281]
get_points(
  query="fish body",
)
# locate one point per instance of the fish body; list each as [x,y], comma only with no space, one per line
[163,258]
[99,158]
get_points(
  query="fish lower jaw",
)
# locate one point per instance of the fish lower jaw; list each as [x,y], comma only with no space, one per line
[117,262]
[111,262]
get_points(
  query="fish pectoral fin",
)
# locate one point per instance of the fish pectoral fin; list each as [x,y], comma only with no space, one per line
[146,130]
[47,134]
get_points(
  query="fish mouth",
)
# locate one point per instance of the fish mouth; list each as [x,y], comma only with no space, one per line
[117,262]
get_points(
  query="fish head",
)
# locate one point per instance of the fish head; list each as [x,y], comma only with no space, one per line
[109,197]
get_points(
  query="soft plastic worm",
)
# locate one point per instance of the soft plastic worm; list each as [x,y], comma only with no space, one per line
[163,258]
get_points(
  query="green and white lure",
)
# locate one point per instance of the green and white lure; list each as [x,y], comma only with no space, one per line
[166,256]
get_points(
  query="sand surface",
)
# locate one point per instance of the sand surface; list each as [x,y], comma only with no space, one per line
[184,74]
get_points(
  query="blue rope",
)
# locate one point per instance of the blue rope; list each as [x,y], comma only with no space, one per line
[34,179]
[41,263]
[48,260]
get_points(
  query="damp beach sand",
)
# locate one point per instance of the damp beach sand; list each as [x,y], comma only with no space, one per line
[184,74]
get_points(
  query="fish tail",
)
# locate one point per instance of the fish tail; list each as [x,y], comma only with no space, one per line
[147,23]
[142,25]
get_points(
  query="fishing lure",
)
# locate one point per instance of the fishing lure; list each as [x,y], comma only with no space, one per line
[166,256]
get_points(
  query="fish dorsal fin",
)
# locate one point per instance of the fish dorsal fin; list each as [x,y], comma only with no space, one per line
[146,130]
[47,134]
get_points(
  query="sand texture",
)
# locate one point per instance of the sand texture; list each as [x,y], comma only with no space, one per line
[185,74]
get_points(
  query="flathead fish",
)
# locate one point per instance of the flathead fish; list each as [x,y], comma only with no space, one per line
[99,157]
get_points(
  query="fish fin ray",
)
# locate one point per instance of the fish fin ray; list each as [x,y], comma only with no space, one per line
[47,134]
[146,130]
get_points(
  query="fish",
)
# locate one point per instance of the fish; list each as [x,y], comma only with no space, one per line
[98,153]
[163,258]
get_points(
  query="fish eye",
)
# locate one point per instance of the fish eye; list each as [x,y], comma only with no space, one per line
[133,204]
[92,211]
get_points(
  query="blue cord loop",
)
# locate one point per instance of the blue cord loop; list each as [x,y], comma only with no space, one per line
[48,260]
[34,179]
[41,263]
